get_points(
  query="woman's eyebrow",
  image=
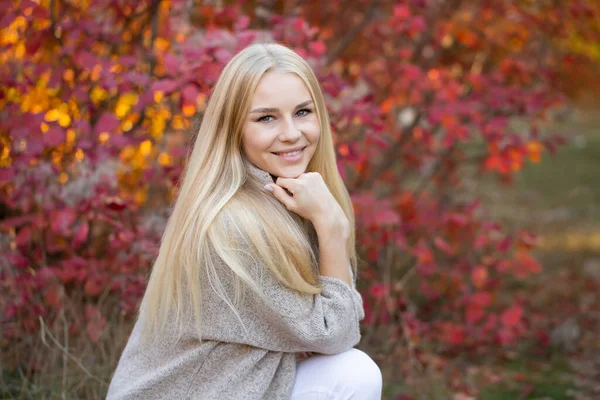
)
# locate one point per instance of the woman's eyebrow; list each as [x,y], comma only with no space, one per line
[273,110]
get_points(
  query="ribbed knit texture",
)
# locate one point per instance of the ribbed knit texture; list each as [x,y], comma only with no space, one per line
[252,361]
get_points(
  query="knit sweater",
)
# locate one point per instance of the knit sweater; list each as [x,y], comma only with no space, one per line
[256,360]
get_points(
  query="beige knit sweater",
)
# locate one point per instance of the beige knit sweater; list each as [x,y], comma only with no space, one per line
[258,362]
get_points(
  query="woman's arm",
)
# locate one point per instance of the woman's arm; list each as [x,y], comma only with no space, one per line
[309,197]
[285,320]
[333,252]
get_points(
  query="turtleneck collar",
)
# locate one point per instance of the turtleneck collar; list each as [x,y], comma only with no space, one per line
[263,176]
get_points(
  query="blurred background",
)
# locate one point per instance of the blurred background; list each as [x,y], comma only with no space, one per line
[467,133]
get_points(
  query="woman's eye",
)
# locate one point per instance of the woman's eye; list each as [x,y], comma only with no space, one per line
[301,113]
[304,112]
[264,118]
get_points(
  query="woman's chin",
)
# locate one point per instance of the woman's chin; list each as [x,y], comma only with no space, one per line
[289,172]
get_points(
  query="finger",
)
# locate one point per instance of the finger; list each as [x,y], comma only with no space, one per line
[290,184]
[282,196]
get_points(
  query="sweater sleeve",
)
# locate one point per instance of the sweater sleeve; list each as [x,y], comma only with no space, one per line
[289,321]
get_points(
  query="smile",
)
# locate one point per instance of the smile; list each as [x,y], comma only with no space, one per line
[291,155]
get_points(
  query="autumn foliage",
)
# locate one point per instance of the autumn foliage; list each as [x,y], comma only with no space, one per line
[98,105]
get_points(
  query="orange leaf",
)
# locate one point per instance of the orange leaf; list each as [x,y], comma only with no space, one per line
[479,276]
[387,105]
[534,151]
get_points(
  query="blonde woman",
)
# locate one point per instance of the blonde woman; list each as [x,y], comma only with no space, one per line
[257,262]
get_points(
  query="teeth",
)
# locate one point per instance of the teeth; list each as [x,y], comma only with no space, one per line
[293,153]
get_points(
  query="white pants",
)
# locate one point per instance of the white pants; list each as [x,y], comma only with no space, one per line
[348,375]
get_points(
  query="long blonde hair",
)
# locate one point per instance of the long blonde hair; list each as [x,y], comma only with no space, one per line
[218,196]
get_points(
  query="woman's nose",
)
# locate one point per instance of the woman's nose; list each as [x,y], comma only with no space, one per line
[289,131]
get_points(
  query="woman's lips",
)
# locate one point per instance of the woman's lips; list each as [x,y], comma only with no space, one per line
[291,157]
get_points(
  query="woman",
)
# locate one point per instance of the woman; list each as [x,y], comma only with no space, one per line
[257,262]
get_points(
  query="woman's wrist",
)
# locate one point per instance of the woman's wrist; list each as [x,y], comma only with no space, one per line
[332,224]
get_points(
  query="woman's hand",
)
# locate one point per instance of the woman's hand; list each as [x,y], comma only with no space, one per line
[310,198]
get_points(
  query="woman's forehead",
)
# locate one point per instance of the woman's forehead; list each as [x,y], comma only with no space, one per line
[277,87]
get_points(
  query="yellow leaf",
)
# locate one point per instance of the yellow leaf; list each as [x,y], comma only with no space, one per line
[98,94]
[130,98]
[95,75]
[127,125]
[5,157]
[188,110]
[157,126]
[146,148]
[68,75]
[201,102]
[79,155]
[125,103]
[140,196]
[70,136]
[127,153]
[64,120]
[161,44]
[122,110]
[52,115]
[164,159]
[178,122]
[534,151]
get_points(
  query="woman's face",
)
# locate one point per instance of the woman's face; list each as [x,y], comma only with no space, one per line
[282,129]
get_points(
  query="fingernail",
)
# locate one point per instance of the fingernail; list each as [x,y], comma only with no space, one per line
[269,188]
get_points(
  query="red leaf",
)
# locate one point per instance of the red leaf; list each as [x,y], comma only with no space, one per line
[115,203]
[107,123]
[504,244]
[62,221]
[172,64]
[189,94]
[386,217]
[81,233]
[120,141]
[318,47]
[95,328]
[481,299]
[423,253]
[16,222]
[474,314]
[24,236]
[458,219]
[512,316]
[91,312]
[33,45]
[454,335]
[443,245]
[401,11]
[86,59]
[6,174]
[526,265]
[54,295]
[7,19]
[94,286]
[379,291]
[54,137]
[373,255]
[166,86]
